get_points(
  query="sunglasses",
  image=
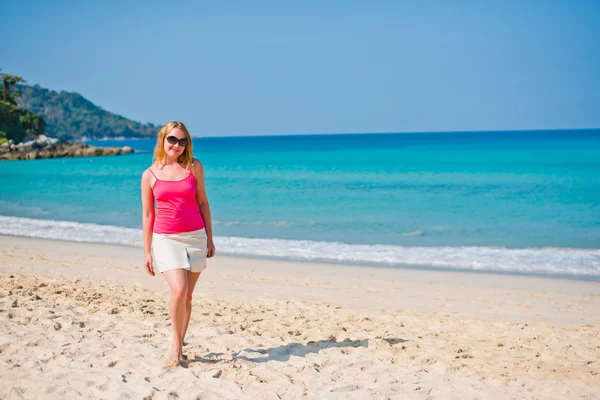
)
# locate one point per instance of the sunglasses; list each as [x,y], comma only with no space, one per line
[172,140]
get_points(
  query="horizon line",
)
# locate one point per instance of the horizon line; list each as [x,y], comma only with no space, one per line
[399,133]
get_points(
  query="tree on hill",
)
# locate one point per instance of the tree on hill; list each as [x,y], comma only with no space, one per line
[15,123]
[8,81]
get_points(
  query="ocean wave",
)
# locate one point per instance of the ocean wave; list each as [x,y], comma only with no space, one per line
[71,231]
[553,261]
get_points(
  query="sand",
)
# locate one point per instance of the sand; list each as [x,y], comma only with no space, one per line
[85,321]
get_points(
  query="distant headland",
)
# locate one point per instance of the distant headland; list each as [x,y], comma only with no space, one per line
[36,122]
[70,116]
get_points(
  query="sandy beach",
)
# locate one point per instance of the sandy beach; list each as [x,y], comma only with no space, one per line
[85,320]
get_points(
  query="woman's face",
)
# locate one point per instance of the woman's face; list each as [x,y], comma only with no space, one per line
[174,149]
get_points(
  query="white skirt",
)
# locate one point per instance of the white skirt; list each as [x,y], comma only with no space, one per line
[185,250]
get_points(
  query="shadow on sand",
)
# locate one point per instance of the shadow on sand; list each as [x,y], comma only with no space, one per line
[283,353]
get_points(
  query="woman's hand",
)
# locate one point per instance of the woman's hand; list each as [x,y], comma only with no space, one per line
[210,248]
[148,264]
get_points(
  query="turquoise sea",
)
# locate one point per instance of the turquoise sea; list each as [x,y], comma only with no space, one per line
[518,202]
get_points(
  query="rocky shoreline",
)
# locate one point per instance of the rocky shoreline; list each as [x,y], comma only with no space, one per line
[45,147]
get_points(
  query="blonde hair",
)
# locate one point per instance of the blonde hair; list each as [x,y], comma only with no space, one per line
[186,158]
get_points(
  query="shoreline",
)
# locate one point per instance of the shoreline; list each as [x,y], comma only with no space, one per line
[86,320]
[409,280]
[359,264]
[416,267]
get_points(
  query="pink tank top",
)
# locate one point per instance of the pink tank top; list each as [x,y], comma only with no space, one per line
[177,209]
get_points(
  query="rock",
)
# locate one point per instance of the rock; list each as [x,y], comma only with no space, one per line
[90,151]
[46,154]
[45,147]
[45,140]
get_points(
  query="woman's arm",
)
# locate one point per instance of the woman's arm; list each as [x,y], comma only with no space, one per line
[147,220]
[202,200]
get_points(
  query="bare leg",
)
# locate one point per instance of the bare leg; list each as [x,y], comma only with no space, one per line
[178,285]
[192,278]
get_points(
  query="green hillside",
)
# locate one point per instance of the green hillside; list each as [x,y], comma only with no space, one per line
[71,116]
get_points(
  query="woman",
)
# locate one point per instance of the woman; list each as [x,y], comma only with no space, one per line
[178,238]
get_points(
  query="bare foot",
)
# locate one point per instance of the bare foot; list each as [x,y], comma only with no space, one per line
[171,363]
[173,356]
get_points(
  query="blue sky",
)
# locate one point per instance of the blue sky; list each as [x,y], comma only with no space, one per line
[309,67]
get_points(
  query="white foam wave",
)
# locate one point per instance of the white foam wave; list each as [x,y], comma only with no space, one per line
[575,262]
[71,231]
